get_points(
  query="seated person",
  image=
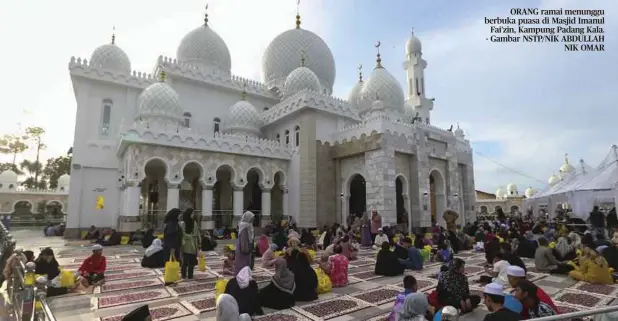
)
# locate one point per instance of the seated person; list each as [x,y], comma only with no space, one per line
[453,288]
[413,260]
[592,268]
[348,249]
[245,290]
[208,242]
[401,248]
[110,240]
[380,239]
[304,276]
[268,257]
[414,308]
[229,262]
[337,268]
[60,229]
[219,233]
[526,293]
[47,265]
[527,245]
[155,257]
[493,295]
[444,254]
[148,238]
[93,268]
[546,262]
[279,293]
[516,274]
[564,251]
[140,314]
[508,255]
[49,230]
[93,234]
[498,273]
[387,263]
[409,286]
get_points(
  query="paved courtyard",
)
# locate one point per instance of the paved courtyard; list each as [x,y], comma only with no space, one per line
[368,297]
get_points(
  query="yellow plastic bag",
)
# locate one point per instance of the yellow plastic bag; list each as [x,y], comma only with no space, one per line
[311,254]
[500,239]
[324,283]
[201,263]
[171,273]
[233,236]
[278,253]
[83,234]
[67,279]
[220,287]
[395,239]
[124,240]
[552,245]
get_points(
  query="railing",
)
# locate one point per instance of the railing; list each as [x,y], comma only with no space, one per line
[30,220]
[580,314]
[221,218]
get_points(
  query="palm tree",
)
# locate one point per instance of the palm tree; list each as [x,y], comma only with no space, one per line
[32,168]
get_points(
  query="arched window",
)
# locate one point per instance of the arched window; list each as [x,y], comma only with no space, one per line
[287,137]
[423,85]
[297,135]
[187,117]
[106,116]
[216,123]
[278,138]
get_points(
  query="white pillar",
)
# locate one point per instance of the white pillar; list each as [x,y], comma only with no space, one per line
[238,202]
[286,207]
[131,201]
[173,196]
[265,206]
[207,222]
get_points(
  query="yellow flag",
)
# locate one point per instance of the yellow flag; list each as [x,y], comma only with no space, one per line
[100,202]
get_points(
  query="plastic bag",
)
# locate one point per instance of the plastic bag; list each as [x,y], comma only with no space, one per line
[233,236]
[425,255]
[552,245]
[311,254]
[171,273]
[220,287]
[124,240]
[201,263]
[324,283]
[67,279]
[278,253]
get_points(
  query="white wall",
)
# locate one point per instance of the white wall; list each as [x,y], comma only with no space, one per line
[293,185]
[279,127]
[326,125]
[93,182]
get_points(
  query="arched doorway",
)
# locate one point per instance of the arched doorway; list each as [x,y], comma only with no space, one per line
[358,195]
[402,215]
[252,195]
[154,194]
[53,208]
[514,209]
[22,207]
[484,210]
[223,198]
[276,198]
[190,187]
[437,197]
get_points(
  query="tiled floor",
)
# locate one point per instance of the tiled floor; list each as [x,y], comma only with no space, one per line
[367,297]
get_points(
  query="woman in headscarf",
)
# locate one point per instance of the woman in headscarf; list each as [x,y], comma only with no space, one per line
[564,251]
[307,239]
[280,238]
[414,308]
[154,257]
[191,246]
[279,293]
[348,250]
[227,309]
[527,245]
[140,314]
[575,239]
[337,267]
[244,244]
[148,238]
[588,240]
[611,253]
[208,242]
[47,265]
[387,263]
[304,276]
[453,288]
[263,244]
[172,234]
[268,258]
[365,231]
[245,290]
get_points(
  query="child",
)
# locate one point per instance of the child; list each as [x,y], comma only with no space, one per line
[498,274]
[228,263]
[410,286]
[444,253]
[93,268]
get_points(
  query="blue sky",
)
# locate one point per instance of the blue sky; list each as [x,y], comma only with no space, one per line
[523,105]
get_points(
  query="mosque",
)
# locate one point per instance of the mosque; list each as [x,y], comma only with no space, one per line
[192,134]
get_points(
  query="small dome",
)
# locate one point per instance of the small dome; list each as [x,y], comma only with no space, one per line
[159,102]
[204,48]
[459,133]
[354,96]
[567,168]
[383,85]
[511,187]
[242,118]
[299,79]
[529,192]
[64,180]
[8,176]
[553,180]
[413,45]
[111,57]
[281,57]
[500,193]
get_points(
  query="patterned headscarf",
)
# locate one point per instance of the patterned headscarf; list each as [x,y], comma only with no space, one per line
[454,283]
[414,307]
[246,222]
[563,247]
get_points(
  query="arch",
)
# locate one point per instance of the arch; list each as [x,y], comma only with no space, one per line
[437,195]
[484,209]
[297,135]
[279,178]
[29,205]
[514,209]
[287,137]
[216,124]
[187,119]
[400,204]
[259,172]
[252,193]
[199,167]
[53,204]
[404,182]
[166,166]
[357,192]
[278,138]
[497,208]
[225,167]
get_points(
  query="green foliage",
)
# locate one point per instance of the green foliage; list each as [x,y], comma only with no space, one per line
[9,166]
[13,145]
[55,168]
[31,168]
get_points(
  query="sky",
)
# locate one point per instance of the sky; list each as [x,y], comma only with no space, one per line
[523,106]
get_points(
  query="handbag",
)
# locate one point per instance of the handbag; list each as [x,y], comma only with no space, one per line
[201,262]
[324,283]
[171,273]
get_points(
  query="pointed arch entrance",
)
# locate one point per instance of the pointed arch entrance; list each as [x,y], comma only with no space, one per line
[358,195]
[437,197]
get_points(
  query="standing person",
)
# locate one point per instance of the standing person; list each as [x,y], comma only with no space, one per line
[244,244]
[493,295]
[191,244]
[366,239]
[526,293]
[612,222]
[376,223]
[597,220]
[172,234]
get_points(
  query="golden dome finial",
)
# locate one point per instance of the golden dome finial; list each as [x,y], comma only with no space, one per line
[162,74]
[243,95]
[113,35]
[379,59]
[298,14]
[360,73]
[206,15]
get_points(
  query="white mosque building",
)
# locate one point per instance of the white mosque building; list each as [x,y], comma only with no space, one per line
[192,134]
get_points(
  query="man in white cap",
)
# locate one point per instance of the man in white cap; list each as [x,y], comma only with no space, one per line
[379,239]
[93,268]
[517,274]
[493,294]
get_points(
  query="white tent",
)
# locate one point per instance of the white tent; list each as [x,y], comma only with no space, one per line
[584,188]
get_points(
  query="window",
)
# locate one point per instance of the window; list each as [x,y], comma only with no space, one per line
[287,137]
[297,135]
[216,124]
[418,90]
[427,120]
[106,117]
[423,85]
[278,138]
[187,117]
[11,186]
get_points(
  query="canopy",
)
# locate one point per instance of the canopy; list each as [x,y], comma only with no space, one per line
[584,188]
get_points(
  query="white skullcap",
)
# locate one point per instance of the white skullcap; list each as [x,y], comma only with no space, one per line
[515,270]
[494,288]
[380,229]
[97,247]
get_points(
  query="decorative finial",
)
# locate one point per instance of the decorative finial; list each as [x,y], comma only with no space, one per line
[412,31]
[566,158]
[244,91]
[113,35]
[457,125]
[162,74]
[297,14]
[302,58]
[206,15]
[379,59]
[360,73]
[377,95]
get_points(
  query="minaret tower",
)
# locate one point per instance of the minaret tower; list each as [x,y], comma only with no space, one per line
[414,65]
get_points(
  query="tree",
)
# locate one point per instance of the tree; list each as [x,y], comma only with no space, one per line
[31,168]
[12,167]
[55,168]
[36,135]
[14,145]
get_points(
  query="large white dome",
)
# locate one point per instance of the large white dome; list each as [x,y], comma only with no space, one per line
[383,85]
[111,57]
[281,58]
[242,118]
[159,102]
[204,48]
[299,79]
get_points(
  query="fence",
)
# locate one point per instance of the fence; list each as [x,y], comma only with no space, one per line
[221,218]
[27,221]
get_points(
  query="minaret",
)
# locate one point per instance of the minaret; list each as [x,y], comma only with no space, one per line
[414,65]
